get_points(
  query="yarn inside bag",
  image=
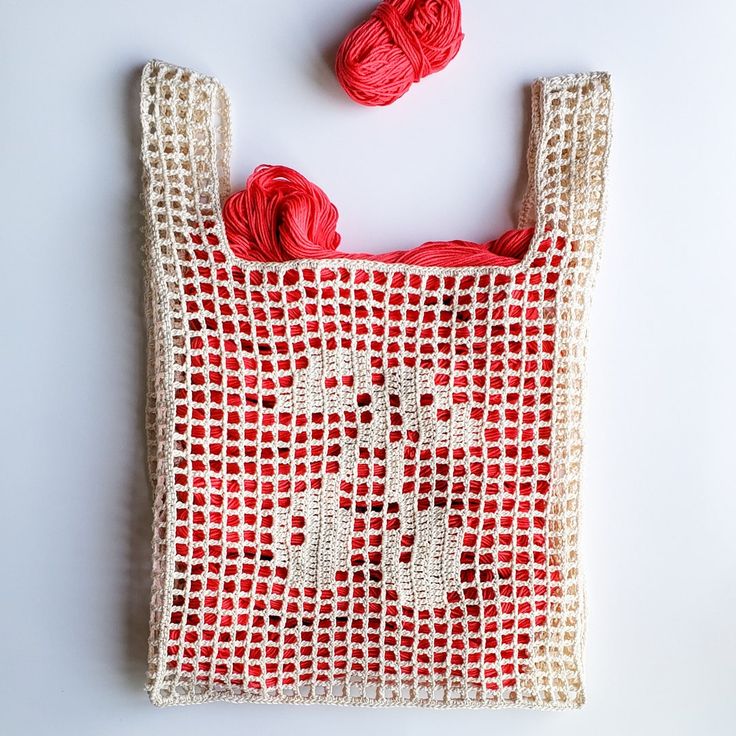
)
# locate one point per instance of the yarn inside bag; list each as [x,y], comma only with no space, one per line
[280,216]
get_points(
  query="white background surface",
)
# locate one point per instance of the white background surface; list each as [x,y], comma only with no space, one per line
[659,496]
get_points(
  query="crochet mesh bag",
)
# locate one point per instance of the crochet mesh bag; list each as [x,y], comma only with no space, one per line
[366,475]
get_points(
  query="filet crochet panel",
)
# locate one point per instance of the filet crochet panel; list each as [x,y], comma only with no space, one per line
[366,475]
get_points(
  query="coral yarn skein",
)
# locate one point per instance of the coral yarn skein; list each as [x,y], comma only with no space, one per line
[402,42]
[282,216]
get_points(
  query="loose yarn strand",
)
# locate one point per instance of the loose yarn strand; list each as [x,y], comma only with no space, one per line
[402,42]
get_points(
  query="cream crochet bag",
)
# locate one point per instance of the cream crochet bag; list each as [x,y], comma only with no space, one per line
[366,475]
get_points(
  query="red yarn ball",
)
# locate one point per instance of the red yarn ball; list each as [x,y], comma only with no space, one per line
[279,216]
[402,42]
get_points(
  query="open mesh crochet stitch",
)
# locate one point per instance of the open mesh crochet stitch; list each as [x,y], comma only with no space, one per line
[366,474]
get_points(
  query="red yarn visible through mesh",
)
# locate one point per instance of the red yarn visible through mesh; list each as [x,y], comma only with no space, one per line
[402,42]
[282,216]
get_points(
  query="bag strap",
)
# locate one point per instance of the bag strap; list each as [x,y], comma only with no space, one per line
[185,118]
[568,158]
[186,155]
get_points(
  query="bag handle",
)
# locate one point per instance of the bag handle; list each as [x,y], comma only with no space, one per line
[186,155]
[185,149]
[568,158]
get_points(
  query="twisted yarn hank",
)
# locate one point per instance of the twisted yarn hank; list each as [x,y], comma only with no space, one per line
[282,216]
[400,43]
